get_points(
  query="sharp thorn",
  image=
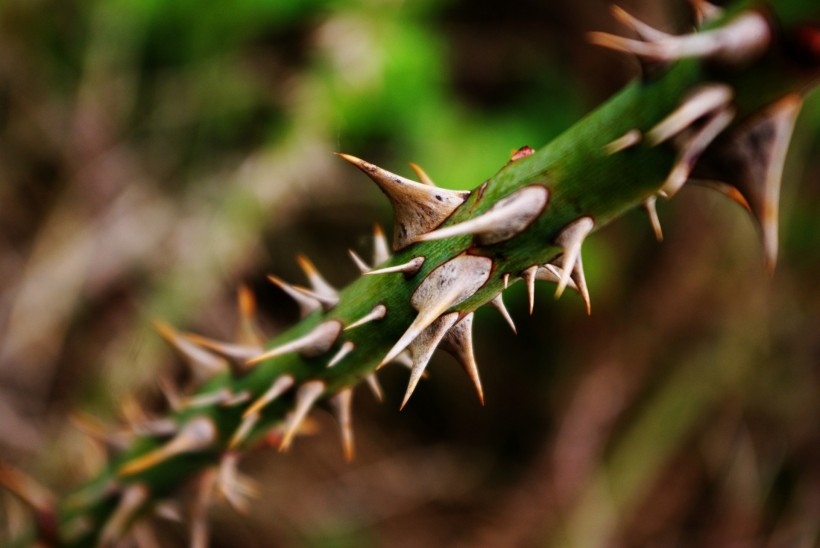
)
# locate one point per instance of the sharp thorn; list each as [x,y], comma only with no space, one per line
[506,279]
[313,344]
[705,100]
[570,240]
[247,333]
[625,141]
[307,304]
[363,267]
[379,311]
[652,211]
[422,175]
[645,31]
[243,430]
[458,342]
[529,278]
[381,249]
[498,304]
[375,387]
[317,282]
[345,349]
[237,355]
[408,269]
[203,364]
[422,348]
[342,404]
[198,433]
[276,389]
[306,396]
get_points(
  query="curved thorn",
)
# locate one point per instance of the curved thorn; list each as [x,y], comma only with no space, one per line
[379,311]
[409,268]
[652,211]
[345,349]
[311,345]
[306,396]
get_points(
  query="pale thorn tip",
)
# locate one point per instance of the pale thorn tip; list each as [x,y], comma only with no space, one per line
[244,430]
[306,396]
[318,284]
[381,249]
[503,221]
[449,284]
[307,303]
[422,348]
[418,208]
[422,175]
[375,387]
[652,211]
[131,501]
[498,304]
[379,311]
[529,278]
[629,139]
[203,364]
[236,354]
[570,240]
[197,434]
[199,508]
[235,487]
[344,350]
[276,389]
[506,279]
[363,267]
[706,99]
[342,405]
[458,342]
[408,269]
[311,345]
[644,30]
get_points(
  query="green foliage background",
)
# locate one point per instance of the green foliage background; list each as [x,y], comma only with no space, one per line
[154,155]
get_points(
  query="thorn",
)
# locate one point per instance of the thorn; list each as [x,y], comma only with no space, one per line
[243,430]
[652,211]
[451,283]
[570,240]
[504,220]
[346,349]
[170,392]
[692,148]
[199,508]
[498,304]
[203,364]
[625,141]
[375,387]
[248,333]
[315,343]
[705,100]
[577,282]
[422,348]
[236,488]
[306,396]
[529,278]
[381,249]
[317,282]
[418,208]
[342,404]
[237,355]
[169,511]
[553,274]
[363,267]
[506,280]
[276,389]
[409,268]
[459,343]
[379,311]
[645,31]
[32,494]
[522,152]
[740,41]
[422,175]
[198,433]
[130,503]
[724,188]
[307,303]
[222,397]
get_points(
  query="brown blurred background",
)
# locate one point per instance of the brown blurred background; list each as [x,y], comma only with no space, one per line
[155,155]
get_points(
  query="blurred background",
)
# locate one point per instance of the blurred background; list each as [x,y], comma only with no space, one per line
[155,155]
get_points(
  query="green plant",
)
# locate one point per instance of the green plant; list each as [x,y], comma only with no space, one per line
[724,98]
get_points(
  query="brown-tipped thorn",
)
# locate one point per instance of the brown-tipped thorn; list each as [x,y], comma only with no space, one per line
[379,311]
[498,304]
[342,405]
[418,208]
[450,284]
[197,434]
[652,211]
[408,269]
[422,175]
[363,267]
[237,355]
[129,505]
[625,141]
[247,332]
[313,344]
[570,240]
[422,348]
[381,249]
[529,278]
[317,282]
[459,343]
[307,304]
[503,221]
[521,153]
[203,364]
[306,396]
[345,349]
[276,389]
[375,387]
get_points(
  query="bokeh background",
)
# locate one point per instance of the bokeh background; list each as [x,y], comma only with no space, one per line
[155,155]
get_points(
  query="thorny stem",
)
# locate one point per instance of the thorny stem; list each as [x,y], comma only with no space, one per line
[609,162]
